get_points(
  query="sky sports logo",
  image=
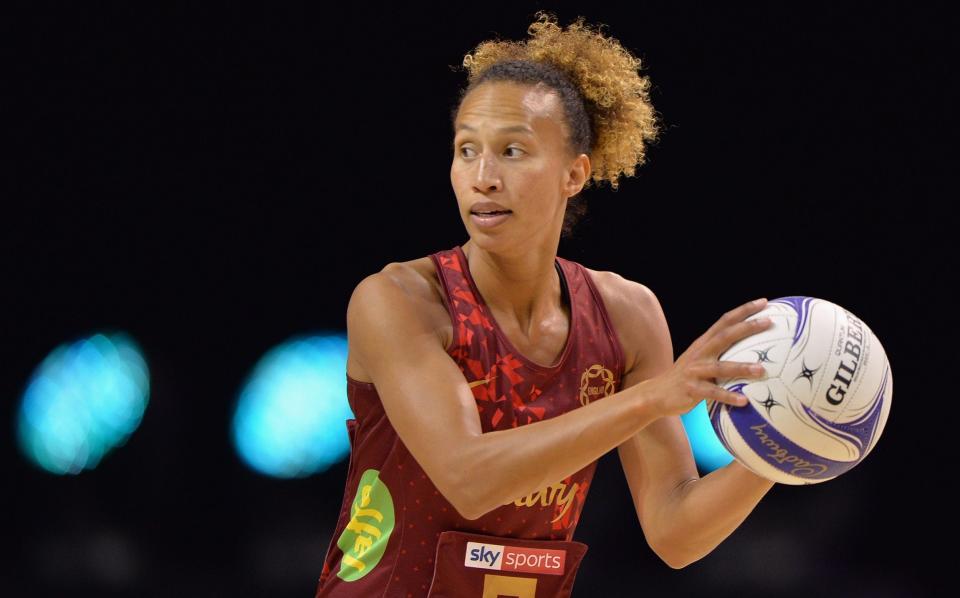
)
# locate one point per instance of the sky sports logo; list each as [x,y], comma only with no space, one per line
[515,558]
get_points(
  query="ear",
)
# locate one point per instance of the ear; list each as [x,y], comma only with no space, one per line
[577,175]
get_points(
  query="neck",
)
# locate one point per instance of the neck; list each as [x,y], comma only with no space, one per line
[523,287]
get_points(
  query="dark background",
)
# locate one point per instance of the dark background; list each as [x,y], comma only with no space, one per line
[214,179]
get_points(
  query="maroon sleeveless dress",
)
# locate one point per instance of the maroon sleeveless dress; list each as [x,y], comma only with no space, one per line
[396,535]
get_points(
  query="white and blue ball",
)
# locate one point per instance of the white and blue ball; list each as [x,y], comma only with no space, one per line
[825,399]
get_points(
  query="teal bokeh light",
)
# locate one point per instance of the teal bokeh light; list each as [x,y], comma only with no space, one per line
[289,419]
[708,451]
[82,401]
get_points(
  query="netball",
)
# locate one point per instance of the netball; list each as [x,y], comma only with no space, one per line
[825,399]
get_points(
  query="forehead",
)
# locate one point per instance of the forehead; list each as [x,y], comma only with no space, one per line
[507,106]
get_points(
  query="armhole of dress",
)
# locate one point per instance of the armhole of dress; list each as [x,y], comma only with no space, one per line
[617,345]
[454,339]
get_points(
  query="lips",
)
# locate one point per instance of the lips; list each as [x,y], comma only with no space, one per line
[487,221]
[488,207]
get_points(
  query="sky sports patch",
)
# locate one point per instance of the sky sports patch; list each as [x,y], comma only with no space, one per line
[515,558]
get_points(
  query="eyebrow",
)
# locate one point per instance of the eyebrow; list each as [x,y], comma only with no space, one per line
[510,129]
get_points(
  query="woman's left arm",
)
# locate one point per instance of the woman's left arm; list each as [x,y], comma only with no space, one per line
[702,512]
[683,516]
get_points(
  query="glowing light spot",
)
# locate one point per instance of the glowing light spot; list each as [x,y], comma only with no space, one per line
[290,414]
[708,451]
[85,399]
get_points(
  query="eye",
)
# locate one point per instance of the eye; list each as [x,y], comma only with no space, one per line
[462,149]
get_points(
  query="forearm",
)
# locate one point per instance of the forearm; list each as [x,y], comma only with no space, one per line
[703,512]
[506,465]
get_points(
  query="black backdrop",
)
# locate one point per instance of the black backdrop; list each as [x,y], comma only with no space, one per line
[214,178]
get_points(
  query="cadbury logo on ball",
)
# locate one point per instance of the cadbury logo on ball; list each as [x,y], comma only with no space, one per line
[801,467]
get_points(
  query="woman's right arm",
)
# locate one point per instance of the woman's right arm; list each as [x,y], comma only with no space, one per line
[430,405]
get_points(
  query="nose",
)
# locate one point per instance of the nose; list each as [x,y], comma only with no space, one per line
[488,176]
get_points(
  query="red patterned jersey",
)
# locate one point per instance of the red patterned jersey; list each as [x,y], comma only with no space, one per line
[397,535]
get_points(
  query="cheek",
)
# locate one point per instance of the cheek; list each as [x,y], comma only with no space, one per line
[458,178]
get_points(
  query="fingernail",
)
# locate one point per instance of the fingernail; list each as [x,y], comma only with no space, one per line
[759,301]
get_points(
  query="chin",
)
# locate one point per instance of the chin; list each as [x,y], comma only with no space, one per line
[493,243]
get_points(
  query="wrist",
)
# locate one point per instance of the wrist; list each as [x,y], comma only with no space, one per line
[644,406]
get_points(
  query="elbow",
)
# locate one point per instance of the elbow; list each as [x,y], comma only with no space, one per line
[675,559]
[466,509]
[457,498]
[457,490]
[462,505]
[468,493]
[469,513]
[676,564]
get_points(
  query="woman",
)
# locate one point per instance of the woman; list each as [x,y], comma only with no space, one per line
[487,379]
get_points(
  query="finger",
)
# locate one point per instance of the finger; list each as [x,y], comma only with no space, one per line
[713,370]
[726,338]
[731,317]
[716,393]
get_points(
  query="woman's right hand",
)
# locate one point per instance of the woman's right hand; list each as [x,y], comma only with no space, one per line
[693,375]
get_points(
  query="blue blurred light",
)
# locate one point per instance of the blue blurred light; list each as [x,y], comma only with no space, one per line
[708,451]
[82,401]
[289,420]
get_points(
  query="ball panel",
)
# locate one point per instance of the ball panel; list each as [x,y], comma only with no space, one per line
[743,452]
[870,369]
[768,445]
[793,420]
[800,307]
[836,354]
[809,358]
[886,399]
[769,347]
[862,432]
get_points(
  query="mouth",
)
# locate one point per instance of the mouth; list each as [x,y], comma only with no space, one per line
[490,219]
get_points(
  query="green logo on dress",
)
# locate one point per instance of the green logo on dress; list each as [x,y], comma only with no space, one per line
[365,538]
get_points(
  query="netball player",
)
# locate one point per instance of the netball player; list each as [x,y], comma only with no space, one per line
[487,379]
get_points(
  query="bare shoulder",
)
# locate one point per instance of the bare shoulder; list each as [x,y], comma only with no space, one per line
[634,311]
[420,287]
